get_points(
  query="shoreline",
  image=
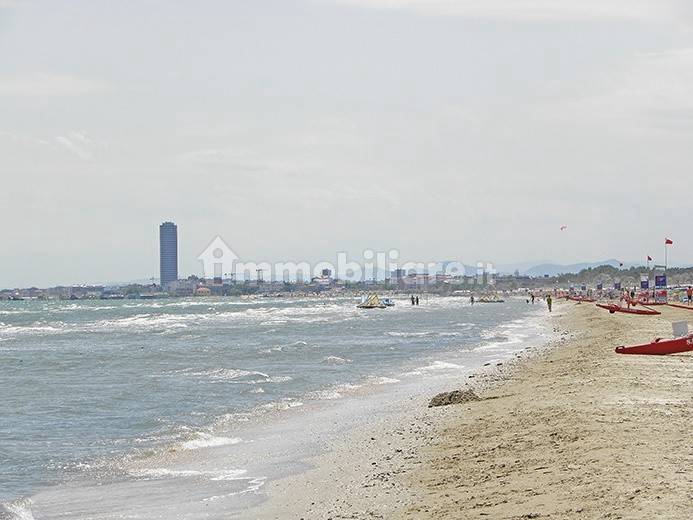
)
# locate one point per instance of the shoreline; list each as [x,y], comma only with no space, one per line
[230,477]
[572,431]
[359,476]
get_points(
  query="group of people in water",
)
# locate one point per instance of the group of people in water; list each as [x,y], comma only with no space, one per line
[549,300]
[472,300]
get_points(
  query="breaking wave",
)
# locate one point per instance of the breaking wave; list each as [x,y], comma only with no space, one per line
[234,376]
[336,360]
[16,510]
[205,440]
[165,473]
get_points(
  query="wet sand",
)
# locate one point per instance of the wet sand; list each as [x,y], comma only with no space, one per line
[575,431]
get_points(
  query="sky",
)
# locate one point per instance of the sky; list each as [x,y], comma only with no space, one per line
[467,130]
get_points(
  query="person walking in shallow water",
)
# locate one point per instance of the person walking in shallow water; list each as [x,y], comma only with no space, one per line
[417,300]
[471,299]
[413,301]
[549,302]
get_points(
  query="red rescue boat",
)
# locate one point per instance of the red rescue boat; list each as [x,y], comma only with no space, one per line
[680,306]
[660,347]
[612,308]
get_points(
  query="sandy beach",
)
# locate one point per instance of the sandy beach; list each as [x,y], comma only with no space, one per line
[569,430]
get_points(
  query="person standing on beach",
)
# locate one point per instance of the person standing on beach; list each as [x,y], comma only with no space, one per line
[689,293]
[549,302]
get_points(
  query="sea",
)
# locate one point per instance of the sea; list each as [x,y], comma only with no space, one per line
[187,408]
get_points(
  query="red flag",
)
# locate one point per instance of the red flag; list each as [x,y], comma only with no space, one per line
[649,258]
[668,242]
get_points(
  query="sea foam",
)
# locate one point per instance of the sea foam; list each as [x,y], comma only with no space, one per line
[16,510]
[165,473]
[205,440]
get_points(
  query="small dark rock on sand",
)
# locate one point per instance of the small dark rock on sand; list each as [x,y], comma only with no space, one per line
[454,397]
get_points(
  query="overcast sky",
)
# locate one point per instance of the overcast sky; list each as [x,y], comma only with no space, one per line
[468,130]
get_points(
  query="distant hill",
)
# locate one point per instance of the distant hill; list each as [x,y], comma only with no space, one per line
[558,269]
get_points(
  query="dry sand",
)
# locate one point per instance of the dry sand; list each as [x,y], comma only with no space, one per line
[575,432]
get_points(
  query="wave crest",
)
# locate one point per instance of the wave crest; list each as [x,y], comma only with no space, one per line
[19,509]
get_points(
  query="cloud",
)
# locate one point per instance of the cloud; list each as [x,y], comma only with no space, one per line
[530,10]
[77,143]
[649,92]
[49,85]
[246,161]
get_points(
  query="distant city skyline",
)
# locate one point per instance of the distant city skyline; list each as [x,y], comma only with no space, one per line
[534,269]
[295,129]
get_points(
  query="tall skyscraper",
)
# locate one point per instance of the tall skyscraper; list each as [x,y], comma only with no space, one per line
[168,253]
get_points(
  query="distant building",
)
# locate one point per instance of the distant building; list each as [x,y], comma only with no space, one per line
[185,287]
[444,278]
[398,275]
[420,279]
[168,253]
[322,281]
